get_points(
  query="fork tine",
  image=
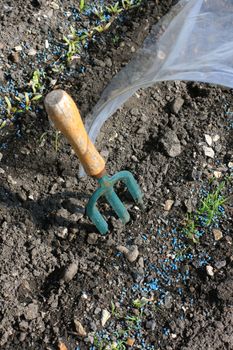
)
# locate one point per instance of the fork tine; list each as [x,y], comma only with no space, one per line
[131,184]
[94,214]
[117,205]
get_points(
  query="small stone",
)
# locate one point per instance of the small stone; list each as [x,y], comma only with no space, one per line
[79,328]
[31,311]
[130,254]
[171,144]
[217,174]
[23,325]
[168,204]
[217,234]
[208,140]
[46,44]
[14,57]
[105,317]
[70,272]
[209,152]
[122,249]
[176,105]
[230,165]
[1,155]
[10,180]
[130,341]
[62,232]
[220,264]
[173,335]
[18,48]
[216,138]
[2,171]
[62,346]
[54,6]
[134,111]
[210,270]
[133,253]
[109,62]
[32,52]
[92,238]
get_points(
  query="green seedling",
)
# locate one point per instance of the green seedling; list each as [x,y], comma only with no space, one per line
[55,135]
[132,322]
[102,27]
[130,4]
[99,12]
[82,5]
[73,43]
[11,110]
[114,9]
[211,204]
[206,214]
[35,82]
[139,303]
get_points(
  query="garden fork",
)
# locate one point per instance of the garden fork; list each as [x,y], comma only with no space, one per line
[65,116]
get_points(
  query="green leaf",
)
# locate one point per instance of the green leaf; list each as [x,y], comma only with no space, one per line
[82,5]
[37,97]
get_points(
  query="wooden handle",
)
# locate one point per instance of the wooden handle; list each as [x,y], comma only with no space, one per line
[65,115]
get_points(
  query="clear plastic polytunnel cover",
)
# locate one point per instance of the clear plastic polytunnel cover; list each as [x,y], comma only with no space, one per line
[193,42]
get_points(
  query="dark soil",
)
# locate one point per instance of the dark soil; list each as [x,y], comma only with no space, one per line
[44,229]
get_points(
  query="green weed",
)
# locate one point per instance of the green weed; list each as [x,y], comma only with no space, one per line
[209,210]
[82,5]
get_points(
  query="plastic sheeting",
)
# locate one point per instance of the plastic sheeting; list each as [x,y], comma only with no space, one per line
[193,42]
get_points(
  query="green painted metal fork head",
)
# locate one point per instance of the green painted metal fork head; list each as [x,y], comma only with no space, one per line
[106,189]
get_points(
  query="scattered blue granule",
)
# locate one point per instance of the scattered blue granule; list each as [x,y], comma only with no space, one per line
[199,233]
[221,209]
[82,69]
[180,291]
[144,237]
[153,285]
[166,331]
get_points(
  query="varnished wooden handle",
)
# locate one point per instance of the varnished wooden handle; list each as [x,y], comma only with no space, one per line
[65,116]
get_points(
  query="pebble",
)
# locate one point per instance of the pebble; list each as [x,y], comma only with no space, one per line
[18,48]
[130,254]
[1,155]
[171,144]
[230,165]
[217,234]
[79,328]
[216,138]
[176,105]
[14,57]
[62,232]
[220,264]
[92,238]
[10,180]
[70,272]
[209,152]
[32,52]
[62,346]
[168,204]
[208,140]
[210,270]
[217,174]
[31,311]
[54,5]
[105,317]
[130,341]
[2,171]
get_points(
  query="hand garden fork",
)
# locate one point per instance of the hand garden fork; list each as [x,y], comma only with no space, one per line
[65,116]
